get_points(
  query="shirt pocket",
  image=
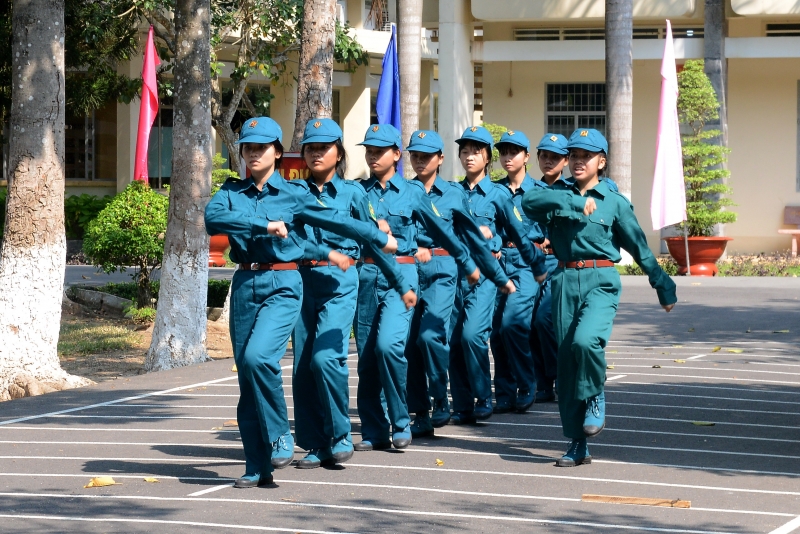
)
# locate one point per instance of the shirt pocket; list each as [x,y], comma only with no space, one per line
[598,228]
[400,219]
[287,217]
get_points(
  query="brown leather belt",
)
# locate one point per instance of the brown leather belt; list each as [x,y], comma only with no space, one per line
[398,259]
[287,266]
[546,249]
[585,264]
[439,252]
[322,263]
[509,244]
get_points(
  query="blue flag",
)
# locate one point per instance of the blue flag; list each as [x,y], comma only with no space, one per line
[388,102]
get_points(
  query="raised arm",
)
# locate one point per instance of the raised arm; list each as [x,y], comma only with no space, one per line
[632,238]
[443,234]
[514,229]
[221,219]
[385,263]
[540,203]
[470,233]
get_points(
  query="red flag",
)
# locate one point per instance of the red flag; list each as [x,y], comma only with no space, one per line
[148,109]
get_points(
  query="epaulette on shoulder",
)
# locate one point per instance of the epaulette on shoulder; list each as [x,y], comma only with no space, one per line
[562,184]
[298,183]
[355,184]
[233,180]
[417,184]
[506,191]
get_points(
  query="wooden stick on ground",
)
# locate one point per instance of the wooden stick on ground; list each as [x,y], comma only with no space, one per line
[642,501]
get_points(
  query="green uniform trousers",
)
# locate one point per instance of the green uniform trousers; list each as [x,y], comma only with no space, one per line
[264,309]
[321,341]
[382,327]
[584,306]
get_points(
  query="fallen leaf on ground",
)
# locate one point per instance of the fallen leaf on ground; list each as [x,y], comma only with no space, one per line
[780,331]
[99,482]
[288,500]
[232,422]
[677,346]
[150,479]
[695,283]
[747,331]
[716,349]
[611,352]
[439,462]
[609,366]
[656,367]
[216,428]
[679,361]
[691,330]
[736,351]
[665,353]
[648,348]
[234,369]
[703,423]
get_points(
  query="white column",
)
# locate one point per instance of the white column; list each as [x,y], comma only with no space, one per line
[426,96]
[456,88]
[354,113]
[128,125]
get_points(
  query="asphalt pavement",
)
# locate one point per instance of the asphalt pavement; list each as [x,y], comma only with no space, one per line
[703,405]
[91,276]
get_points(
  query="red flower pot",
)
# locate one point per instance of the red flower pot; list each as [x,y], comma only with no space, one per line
[216,249]
[703,253]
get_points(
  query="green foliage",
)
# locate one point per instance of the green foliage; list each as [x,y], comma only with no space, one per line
[79,211]
[347,50]
[145,315]
[218,174]
[497,132]
[702,160]
[129,232]
[99,35]
[666,263]
[776,264]
[217,293]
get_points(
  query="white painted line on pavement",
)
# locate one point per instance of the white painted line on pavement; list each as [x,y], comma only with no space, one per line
[504,518]
[731,378]
[70,416]
[659,449]
[209,490]
[195,395]
[115,475]
[615,377]
[583,479]
[168,406]
[673,406]
[166,522]
[116,401]
[721,369]
[791,526]
[106,429]
[696,357]
[678,395]
[94,459]
[232,445]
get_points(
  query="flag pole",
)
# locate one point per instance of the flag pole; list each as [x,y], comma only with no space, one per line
[686,244]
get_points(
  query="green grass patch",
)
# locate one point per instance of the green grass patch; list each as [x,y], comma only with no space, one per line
[217,291]
[666,263]
[775,264]
[79,339]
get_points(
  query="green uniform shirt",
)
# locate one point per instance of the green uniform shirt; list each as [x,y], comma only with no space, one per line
[599,236]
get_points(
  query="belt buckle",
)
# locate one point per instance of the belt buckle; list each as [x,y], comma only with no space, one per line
[580,264]
[255,266]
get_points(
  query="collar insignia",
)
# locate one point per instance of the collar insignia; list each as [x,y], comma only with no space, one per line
[253,124]
[317,124]
[585,133]
[554,138]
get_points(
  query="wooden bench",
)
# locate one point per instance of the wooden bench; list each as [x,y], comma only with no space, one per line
[791,215]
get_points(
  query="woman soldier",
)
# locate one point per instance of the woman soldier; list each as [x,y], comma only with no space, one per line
[264,219]
[514,379]
[382,319]
[587,223]
[428,352]
[471,323]
[551,155]
[322,336]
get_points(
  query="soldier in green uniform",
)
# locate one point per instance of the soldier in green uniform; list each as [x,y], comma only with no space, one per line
[588,223]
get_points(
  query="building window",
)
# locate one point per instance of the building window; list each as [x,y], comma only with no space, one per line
[335,113]
[159,149]
[575,105]
[783,30]
[373,107]
[597,34]
[478,85]
[79,147]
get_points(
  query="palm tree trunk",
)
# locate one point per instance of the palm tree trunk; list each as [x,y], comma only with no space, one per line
[315,76]
[33,257]
[409,54]
[619,90]
[179,334]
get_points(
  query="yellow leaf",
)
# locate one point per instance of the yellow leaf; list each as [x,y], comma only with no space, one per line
[716,349]
[691,330]
[234,369]
[252,64]
[736,351]
[780,331]
[679,361]
[232,422]
[703,423]
[150,479]
[677,346]
[611,352]
[609,366]
[439,462]
[99,482]
[216,428]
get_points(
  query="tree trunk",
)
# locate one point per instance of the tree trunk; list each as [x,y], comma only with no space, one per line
[33,257]
[619,90]
[409,55]
[315,75]
[179,334]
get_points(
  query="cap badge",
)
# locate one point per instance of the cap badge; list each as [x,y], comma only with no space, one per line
[375,128]
[317,124]
[554,138]
[473,129]
[584,133]
[421,135]
[253,124]
[510,132]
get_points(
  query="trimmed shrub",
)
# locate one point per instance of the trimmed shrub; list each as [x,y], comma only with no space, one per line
[79,211]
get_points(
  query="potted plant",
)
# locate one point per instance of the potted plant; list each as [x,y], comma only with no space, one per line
[219,243]
[704,176]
